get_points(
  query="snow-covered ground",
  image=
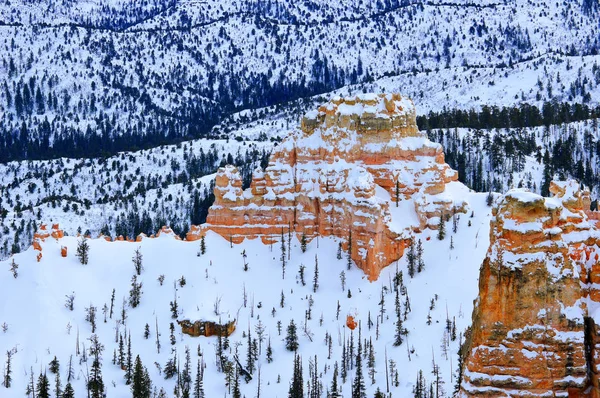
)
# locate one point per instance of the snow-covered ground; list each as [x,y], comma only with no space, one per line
[39,326]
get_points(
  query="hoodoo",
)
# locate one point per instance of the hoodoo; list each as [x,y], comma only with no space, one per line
[357,168]
[535,322]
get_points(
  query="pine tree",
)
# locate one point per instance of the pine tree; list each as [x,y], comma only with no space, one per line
[137,261]
[141,387]
[91,317]
[202,246]
[146,331]
[186,375]
[69,392]
[411,258]
[135,293]
[303,243]
[236,385]
[7,380]
[291,339]
[43,386]
[441,227]
[129,365]
[316,275]
[199,383]
[358,386]
[95,382]
[301,274]
[283,255]
[14,268]
[397,192]
[83,249]
[399,327]
[249,353]
[349,256]
[297,385]
[269,352]
[334,393]
[371,362]
[420,262]
[339,251]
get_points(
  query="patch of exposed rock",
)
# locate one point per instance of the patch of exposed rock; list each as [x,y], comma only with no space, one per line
[337,175]
[535,322]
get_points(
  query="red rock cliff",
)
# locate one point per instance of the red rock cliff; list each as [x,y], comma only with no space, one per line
[534,331]
[340,172]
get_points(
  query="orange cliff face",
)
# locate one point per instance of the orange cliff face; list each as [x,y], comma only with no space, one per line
[338,175]
[534,331]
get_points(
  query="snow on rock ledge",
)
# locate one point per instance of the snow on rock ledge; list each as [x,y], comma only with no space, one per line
[337,175]
[534,329]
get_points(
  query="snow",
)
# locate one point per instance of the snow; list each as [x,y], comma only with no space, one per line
[37,327]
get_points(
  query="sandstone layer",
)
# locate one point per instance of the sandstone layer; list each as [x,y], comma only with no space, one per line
[338,175]
[534,331]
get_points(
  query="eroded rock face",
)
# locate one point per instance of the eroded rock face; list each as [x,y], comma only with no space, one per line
[534,331]
[206,328]
[42,234]
[338,175]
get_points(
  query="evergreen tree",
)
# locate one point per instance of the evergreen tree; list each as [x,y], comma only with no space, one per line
[137,261]
[349,257]
[411,258]
[69,392]
[303,243]
[291,339]
[43,386]
[199,383]
[399,327]
[441,227]
[334,393]
[95,382]
[358,386]
[420,262]
[83,249]
[316,275]
[297,384]
[7,380]
[283,255]
[135,293]
[141,387]
[202,246]
[236,385]
[14,268]
[129,364]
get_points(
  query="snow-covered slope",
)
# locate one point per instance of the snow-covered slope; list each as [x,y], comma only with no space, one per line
[39,327]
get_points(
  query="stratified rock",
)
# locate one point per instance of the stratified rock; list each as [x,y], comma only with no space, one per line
[338,175]
[534,331]
[206,328]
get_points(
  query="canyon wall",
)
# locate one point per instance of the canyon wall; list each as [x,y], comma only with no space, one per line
[534,331]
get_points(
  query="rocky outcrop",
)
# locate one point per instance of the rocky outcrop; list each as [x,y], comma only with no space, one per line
[42,234]
[206,328]
[337,175]
[534,331]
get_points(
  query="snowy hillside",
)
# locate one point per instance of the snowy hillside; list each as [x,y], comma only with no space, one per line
[90,78]
[217,288]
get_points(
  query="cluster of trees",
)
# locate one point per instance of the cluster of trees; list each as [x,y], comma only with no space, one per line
[523,115]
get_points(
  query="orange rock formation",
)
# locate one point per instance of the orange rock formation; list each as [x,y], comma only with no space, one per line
[42,234]
[337,175]
[535,323]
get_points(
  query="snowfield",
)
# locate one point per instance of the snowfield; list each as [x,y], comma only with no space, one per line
[39,326]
